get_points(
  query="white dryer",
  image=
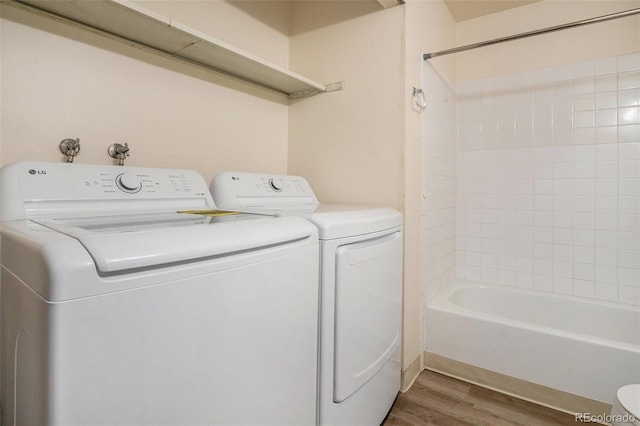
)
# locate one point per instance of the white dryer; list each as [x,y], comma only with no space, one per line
[361,291]
[118,310]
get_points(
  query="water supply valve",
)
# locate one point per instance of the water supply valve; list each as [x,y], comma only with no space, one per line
[70,148]
[119,152]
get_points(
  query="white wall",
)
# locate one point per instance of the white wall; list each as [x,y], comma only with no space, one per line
[548,169]
[439,159]
[60,82]
[549,173]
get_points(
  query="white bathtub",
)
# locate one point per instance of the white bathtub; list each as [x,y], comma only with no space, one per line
[587,348]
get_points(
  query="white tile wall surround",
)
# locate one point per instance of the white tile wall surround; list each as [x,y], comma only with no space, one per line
[548,179]
[439,163]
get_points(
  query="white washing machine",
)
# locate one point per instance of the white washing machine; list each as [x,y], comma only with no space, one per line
[361,291]
[118,310]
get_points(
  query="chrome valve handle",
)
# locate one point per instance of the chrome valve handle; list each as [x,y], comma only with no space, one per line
[70,148]
[119,152]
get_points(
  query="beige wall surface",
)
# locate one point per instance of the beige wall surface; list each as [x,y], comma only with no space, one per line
[568,46]
[60,82]
[429,26]
[349,144]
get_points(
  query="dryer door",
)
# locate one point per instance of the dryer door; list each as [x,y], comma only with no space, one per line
[367,310]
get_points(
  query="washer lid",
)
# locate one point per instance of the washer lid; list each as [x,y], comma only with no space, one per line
[130,242]
[629,398]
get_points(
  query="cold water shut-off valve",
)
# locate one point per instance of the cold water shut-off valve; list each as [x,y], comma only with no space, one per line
[119,152]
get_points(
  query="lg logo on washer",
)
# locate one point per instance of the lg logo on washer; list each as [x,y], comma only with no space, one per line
[37,172]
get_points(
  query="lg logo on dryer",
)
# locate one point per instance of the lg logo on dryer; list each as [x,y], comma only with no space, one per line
[37,172]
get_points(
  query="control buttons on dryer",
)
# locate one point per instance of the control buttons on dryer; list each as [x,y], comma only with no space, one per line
[128,183]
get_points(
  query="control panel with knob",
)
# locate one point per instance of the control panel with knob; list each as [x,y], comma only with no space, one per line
[242,190]
[57,186]
[128,183]
[276,186]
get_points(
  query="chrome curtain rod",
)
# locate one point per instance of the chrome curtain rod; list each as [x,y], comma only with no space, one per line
[603,18]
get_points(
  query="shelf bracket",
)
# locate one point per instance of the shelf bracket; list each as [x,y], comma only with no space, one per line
[331,87]
[390,3]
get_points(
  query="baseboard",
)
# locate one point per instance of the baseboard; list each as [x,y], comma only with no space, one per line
[410,374]
[539,394]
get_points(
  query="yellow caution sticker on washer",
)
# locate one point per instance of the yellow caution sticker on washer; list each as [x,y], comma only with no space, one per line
[210,212]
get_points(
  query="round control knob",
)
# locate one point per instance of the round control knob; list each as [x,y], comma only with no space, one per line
[128,183]
[274,186]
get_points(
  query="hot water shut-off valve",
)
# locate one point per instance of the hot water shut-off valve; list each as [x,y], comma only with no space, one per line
[119,152]
[70,148]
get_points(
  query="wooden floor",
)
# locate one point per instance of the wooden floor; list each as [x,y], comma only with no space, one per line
[435,399]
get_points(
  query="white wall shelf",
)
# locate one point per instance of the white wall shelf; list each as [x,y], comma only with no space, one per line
[143,28]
